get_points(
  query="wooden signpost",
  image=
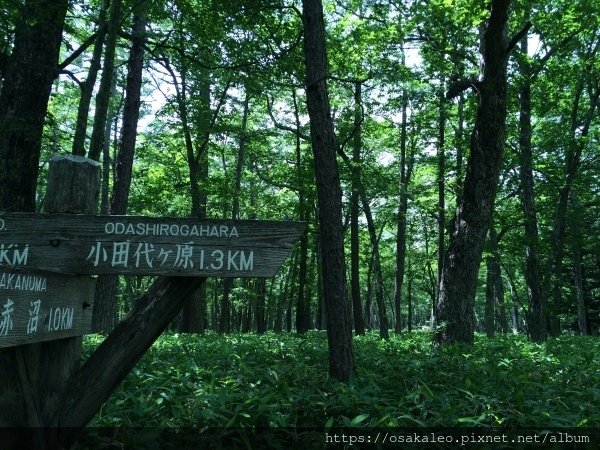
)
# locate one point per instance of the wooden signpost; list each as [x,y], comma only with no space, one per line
[47,305]
[44,297]
[41,306]
[87,244]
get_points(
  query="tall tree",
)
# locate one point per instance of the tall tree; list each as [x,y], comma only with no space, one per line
[105,306]
[357,310]
[329,194]
[582,115]
[406,168]
[103,95]
[455,321]
[302,303]
[28,77]
[536,316]
[87,87]
[225,319]
[495,312]
[441,181]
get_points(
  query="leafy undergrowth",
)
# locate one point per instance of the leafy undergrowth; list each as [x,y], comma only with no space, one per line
[280,380]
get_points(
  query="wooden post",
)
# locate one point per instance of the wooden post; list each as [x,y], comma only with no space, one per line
[33,377]
[52,392]
[73,185]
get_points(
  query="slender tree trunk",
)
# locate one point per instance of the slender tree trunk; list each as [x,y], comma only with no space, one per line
[112,126]
[536,316]
[261,293]
[501,319]
[321,310]
[284,294]
[105,304]
[401,220]
[378,291]
[455,312]
[359,324]
[87,87]
[582,311]
[432,291]
[460,133]
[409,300]
[103,95]
[375,260]
[369,313]
[579,131]
[578,268]
[493,285]
[324,146]
[302,303]
[441,183]
[235,212]
[291,294]
[131,115]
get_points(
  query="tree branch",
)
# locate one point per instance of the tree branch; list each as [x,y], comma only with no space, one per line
[283,127]
[515,40]
[457,87]
[73,56]
[72,76]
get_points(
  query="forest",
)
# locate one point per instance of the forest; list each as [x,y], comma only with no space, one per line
[443,154]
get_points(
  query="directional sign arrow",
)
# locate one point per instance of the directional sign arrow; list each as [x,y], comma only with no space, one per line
[88,244]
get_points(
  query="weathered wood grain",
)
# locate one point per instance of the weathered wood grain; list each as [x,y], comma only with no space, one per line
[37,306]
[86,244]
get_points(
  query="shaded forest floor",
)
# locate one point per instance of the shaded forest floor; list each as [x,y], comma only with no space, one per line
[281,380]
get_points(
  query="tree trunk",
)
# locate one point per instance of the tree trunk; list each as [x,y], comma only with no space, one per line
[455,311]
[401,220]
[103,95]
[377,272]
[321,310]
[105,304]
[224,326]
[24,96]
[441,183]
[494,290]
[579,131]
[261,293]
[459,138]
[536,316]
[324,146]
[409,300]
[87,87]
[302,303]
[357,310]
[578,268]
[31,69]
[582,311]
[501,319]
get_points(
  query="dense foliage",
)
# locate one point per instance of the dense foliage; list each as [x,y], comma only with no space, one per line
[279,380]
